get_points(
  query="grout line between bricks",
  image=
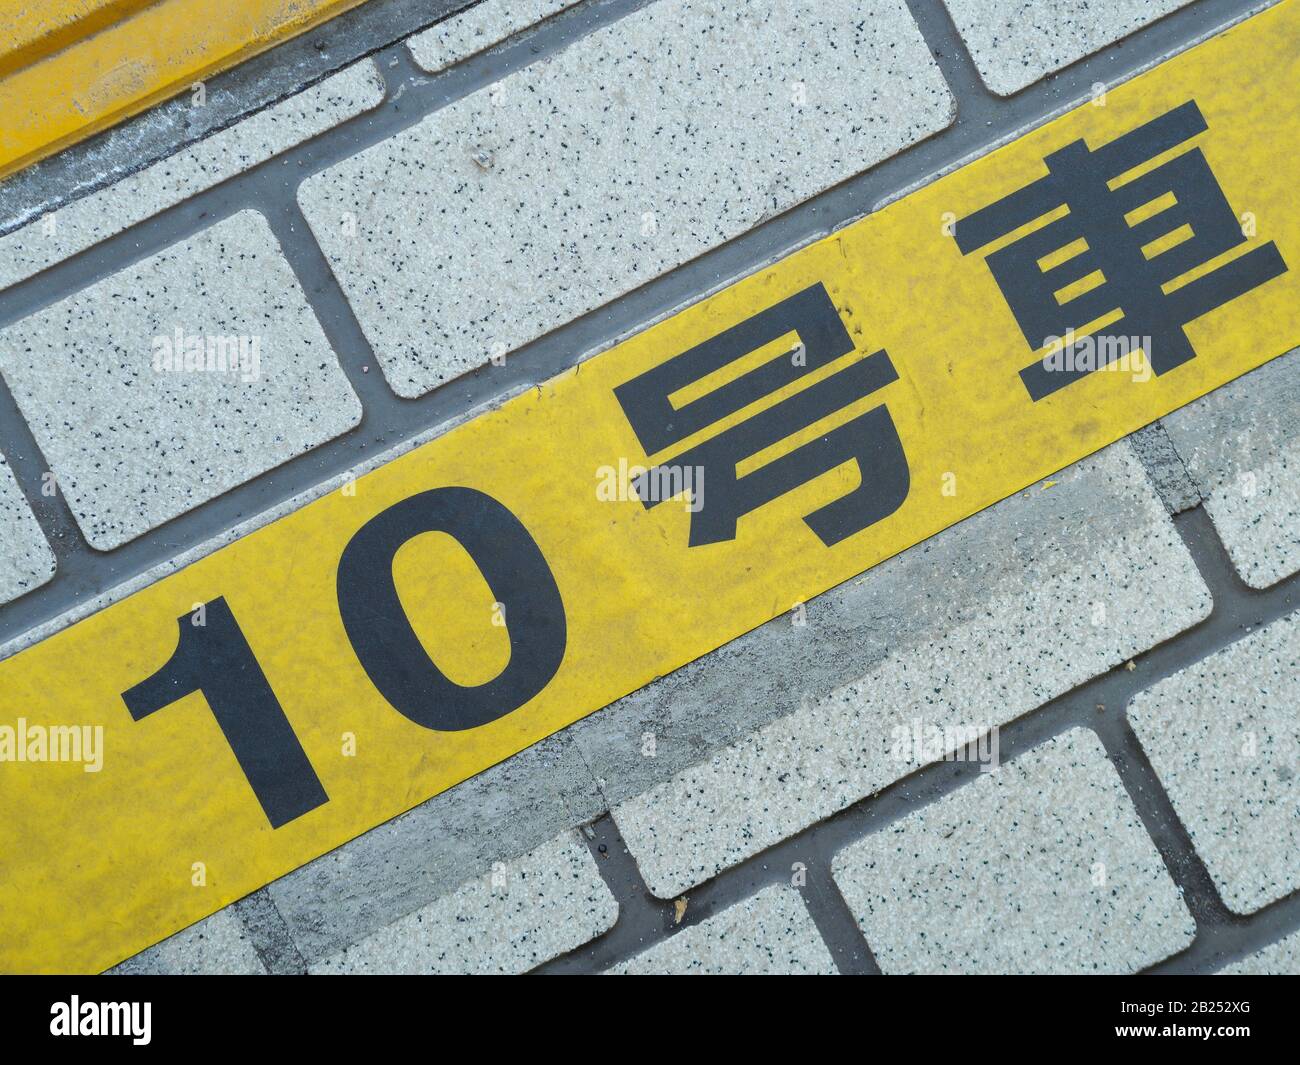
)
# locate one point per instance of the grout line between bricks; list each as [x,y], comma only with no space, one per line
[321,287]
[971,96]
[835,921]
[642,918]
[30,469]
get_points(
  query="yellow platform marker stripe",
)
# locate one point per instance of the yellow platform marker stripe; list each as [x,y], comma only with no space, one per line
[70,68]
[354,658]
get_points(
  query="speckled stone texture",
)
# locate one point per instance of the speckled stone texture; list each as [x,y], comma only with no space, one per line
[632,151]
[133,446]
[1278,959]
[93,218]
[1016,42]
[972,628]
[1223,735]
[509,920]
[217,945]
[1041,867]
[411,861]
[1241,444]
[769,934]
[478,28]
[26,561]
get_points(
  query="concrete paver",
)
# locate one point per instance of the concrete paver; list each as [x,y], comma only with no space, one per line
[1016,42]
[1278,959]
[478,28]
[1040,867]
[769,934]
[26,561]
[87,221]
[967,630]
[135,434]
[1241,445]
[217,945]
[574,180]
[510,920]
[1223,736]
[412,861]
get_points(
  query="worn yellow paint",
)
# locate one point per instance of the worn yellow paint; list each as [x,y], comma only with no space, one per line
[97,866]
[70,68]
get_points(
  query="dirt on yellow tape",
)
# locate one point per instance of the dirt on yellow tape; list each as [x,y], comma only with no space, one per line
[70,68]
[344,663]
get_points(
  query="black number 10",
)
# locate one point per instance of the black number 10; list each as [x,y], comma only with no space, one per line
[217,660]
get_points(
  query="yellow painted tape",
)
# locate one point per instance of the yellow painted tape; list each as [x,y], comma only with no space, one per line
[96,865]
[70,68]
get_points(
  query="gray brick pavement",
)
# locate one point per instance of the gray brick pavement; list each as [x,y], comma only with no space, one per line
[769,934]
[137,427]
[970,629]
[1016,42]
[216,945]
[480,27]
[1039,867]
[91,219]
[27,561]
[1241,446]
[997,614]
[416,859]
[1224,737]
[574,180]
[1278,959]
[519,914]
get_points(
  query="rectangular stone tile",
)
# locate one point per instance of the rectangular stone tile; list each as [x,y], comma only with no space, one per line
[1241,445]
[969,629]
[1280,959]
[1040,867]
[586,174]
[509,920]
[478,28]
[413,860]
[769,934]
[1223,735]
[26,561]
[217,945]
[1014,43]
[134,432]
[91,219]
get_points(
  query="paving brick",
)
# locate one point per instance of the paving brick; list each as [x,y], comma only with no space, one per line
[26,561]
[91,219]
[632,151]
[1241,444]
[217,945]
[769,934]
[478,28]
[1223,737]
[1280,959]
[1040,867]
[510,920]
[971,628]
[132,445]
[1016,42]
[413,860]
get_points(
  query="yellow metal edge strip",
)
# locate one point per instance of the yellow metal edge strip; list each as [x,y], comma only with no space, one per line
[88,84]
